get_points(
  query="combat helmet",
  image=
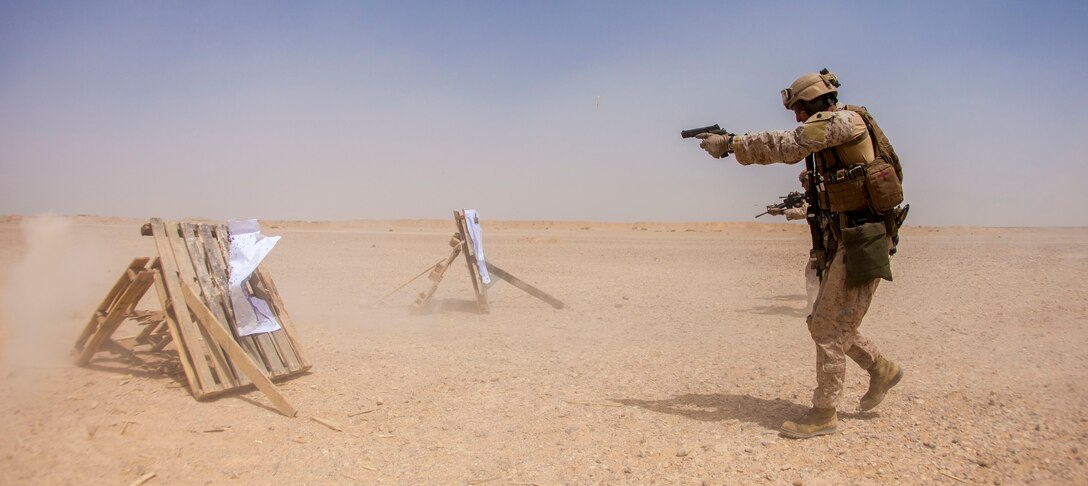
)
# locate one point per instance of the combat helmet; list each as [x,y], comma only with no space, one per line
[809,87]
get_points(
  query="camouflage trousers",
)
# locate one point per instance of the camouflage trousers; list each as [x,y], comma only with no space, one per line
[833,325]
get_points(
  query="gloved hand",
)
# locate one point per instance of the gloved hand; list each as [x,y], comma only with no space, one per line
[715,145]
[774,211]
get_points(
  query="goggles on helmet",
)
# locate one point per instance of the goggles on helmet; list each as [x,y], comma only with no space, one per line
[809,87]
[787,98]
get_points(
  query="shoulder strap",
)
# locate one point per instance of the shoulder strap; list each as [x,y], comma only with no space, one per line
[881,143]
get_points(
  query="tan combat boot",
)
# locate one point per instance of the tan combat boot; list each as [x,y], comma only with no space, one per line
[816,421]
[883,375]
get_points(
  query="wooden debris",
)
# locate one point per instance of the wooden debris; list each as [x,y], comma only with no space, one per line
[602,404]
[964,481]
[143,479]
[939,470]
[361,412]
[328,423]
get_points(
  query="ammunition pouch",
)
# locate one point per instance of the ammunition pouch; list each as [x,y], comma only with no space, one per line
[870,186]
[865,254]
[847,195]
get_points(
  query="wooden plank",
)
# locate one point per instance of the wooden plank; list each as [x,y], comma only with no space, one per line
[147,316]
[267,353]
[136,265]
[217,274]
[218,332]
[203,279]
[473,264]
[153,324]
[436,277]
[189,340]
[213,294]
[217,266]
[287,351]
[163,337]
[289,346]
[100,312]
[282,339]
[219,362]
[533,291]
[89,330]
[128,300]
[276,348]
[271,357]
[174,334]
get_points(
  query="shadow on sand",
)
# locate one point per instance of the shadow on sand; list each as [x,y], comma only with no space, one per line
[446,306]
[164,365]
[780,309]
[719,407]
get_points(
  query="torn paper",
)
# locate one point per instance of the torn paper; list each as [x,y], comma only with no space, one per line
[248,247]
[476,237]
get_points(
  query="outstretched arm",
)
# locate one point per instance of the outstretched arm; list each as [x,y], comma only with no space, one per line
[820,131]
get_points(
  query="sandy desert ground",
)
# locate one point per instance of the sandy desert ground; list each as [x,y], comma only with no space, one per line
[681,350]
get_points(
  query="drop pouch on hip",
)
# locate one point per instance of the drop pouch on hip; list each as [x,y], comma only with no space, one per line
[866,253]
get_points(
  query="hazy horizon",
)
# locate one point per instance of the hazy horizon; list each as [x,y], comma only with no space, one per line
[553,111]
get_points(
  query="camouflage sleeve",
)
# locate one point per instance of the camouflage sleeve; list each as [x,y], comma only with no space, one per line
[797,213]
[820,131]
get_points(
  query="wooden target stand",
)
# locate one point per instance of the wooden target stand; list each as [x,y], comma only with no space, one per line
[190,278]
[461,242]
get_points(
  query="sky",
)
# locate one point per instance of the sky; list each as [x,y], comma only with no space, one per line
[523,110]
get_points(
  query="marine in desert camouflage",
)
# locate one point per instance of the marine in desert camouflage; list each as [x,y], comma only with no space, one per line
[837,139]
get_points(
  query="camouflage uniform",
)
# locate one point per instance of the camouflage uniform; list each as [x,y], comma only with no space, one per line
[839,308]
[842,129]
[796,213]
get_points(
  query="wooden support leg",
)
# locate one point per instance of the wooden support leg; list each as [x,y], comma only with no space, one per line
[533,291]
[473,264]
[218,332]
[218,261]
[163,339]
[111,298]
[117,315]
[436,277]
[149,329]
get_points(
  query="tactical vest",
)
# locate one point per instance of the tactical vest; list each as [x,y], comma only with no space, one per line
[876,185]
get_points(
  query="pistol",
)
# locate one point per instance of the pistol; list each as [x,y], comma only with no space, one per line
[714,129]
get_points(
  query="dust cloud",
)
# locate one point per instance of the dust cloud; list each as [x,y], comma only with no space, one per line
[48,295]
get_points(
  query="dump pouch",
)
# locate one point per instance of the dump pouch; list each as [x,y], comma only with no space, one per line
[882,183]
[866,253]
